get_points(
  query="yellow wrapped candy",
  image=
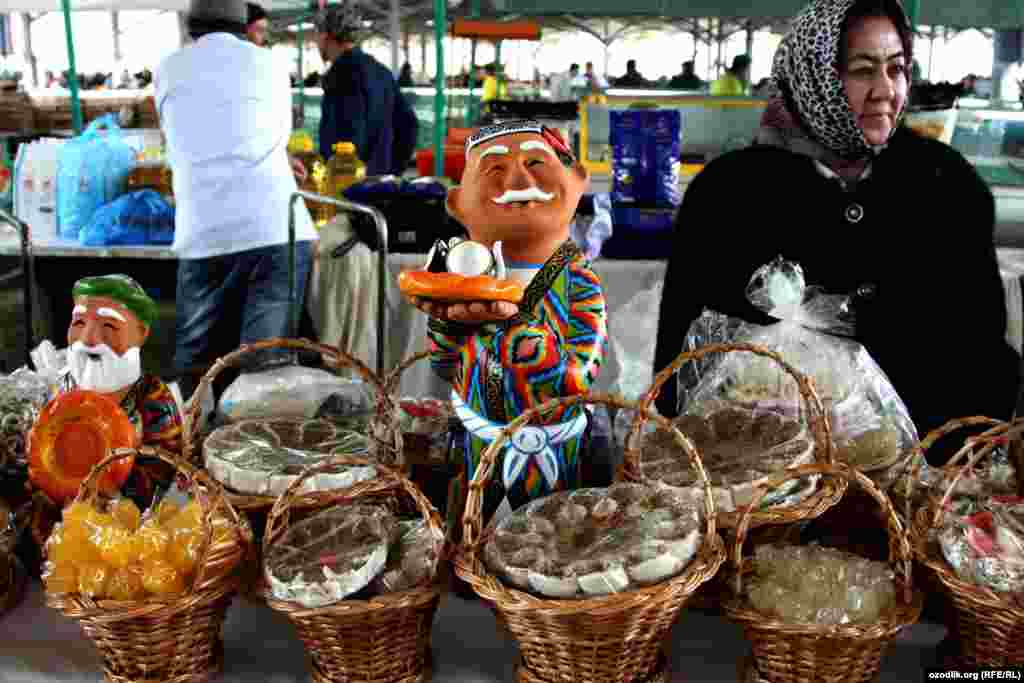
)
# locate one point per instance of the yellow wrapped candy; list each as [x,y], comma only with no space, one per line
[60,578]
[117,546]
[126,584]
[92,579]
[160,578]
[151,542]
[126,513]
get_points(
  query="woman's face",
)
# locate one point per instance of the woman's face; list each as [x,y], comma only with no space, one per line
[875,76]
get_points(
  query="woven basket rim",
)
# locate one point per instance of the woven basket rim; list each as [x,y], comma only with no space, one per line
[704,565]
[150,607]
[980,598]
[889,623]
[411,598]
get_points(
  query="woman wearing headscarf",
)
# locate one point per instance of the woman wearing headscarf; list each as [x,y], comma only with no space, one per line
[867,207]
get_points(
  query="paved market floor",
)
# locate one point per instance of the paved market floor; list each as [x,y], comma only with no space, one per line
[38,645]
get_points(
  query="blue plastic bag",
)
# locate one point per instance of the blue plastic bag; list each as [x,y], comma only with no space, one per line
[646,146]
[92,170]
[137,218]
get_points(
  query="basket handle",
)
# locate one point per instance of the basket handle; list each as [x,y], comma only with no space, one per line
[386,410]
[391,380]
[816,415]
[899,545]
[1004,434]
[917,455]
[206,491]
[387,480]
[472,522]
[191,449]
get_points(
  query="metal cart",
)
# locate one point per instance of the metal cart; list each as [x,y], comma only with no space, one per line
[382,271]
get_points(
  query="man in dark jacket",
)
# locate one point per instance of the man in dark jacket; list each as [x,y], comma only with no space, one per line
[362,103]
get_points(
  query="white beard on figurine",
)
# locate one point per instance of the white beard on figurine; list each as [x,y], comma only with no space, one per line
[98,368]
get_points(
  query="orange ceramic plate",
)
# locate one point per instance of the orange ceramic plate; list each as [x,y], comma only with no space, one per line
[75,431]
[453,287]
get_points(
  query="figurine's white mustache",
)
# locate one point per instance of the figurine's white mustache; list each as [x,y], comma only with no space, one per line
[530,194]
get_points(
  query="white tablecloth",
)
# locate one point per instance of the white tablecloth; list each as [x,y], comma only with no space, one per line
[39,645]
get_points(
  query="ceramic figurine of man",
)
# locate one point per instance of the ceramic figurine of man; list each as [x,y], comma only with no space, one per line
[518,197]
[110,321]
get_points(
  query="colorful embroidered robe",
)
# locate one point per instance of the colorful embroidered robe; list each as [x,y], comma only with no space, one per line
[554,347]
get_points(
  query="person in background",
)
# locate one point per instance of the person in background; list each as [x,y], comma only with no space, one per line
[687,79]
[632,77]
[405,79]
[257,26]
[361,103]
[226,113]
[841,173]
[968,85]
[562,84]
[491,90]
[593,81]
[736,79]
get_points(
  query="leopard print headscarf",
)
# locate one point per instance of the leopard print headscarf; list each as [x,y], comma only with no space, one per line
[807,76]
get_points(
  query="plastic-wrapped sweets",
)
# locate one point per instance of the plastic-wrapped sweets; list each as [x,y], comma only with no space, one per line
[22,395]
[326,557]
[983,541]
[740,449]
[819,585]
[264,457]
[424,425]
[412,558]
[591,542]
[294,391]
[870,423]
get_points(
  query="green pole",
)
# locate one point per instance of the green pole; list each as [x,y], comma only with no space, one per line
[76,104]
[440,26]
[302,87]
[470,103]
[471,108]
[913,11]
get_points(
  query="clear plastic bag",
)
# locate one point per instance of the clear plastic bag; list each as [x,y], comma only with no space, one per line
[264,457]
[870,423]
[412,559]
[327,557]
[818,585]
[983,541]
[591,542]
[294,391]
[23,394]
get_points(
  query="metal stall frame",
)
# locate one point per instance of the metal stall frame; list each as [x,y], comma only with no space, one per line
[382,270]
[28,273]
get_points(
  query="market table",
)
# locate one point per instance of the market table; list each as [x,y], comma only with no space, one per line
[39,645]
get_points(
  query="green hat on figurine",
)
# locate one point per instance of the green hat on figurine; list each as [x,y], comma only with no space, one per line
[121,289]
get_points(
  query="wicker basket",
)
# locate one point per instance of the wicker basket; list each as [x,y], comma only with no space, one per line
[611,639]
[986,627]
[177,637]
[828,493]
[812,653]
[385,639]
[384,451]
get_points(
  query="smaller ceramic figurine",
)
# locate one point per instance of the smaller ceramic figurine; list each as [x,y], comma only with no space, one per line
[517,315]
[111,320]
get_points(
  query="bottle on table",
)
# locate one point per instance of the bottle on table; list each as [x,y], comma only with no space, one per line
[345,168]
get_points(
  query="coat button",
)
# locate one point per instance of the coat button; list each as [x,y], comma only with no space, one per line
[854,212]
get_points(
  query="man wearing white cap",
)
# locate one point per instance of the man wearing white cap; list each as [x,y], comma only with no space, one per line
[225,108]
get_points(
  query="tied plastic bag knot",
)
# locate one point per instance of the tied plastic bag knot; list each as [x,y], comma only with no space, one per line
[780,290]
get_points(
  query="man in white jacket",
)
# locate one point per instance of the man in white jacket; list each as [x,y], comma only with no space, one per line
[562,84]
[225,109]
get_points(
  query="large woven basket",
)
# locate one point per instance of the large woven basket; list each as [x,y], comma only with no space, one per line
[384,639]
[986,627]
[611,639]
[382,450]
[811,653]
[829,491]
[174,638]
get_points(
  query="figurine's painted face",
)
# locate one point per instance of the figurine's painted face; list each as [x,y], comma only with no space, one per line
[104,342]
[516,190]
